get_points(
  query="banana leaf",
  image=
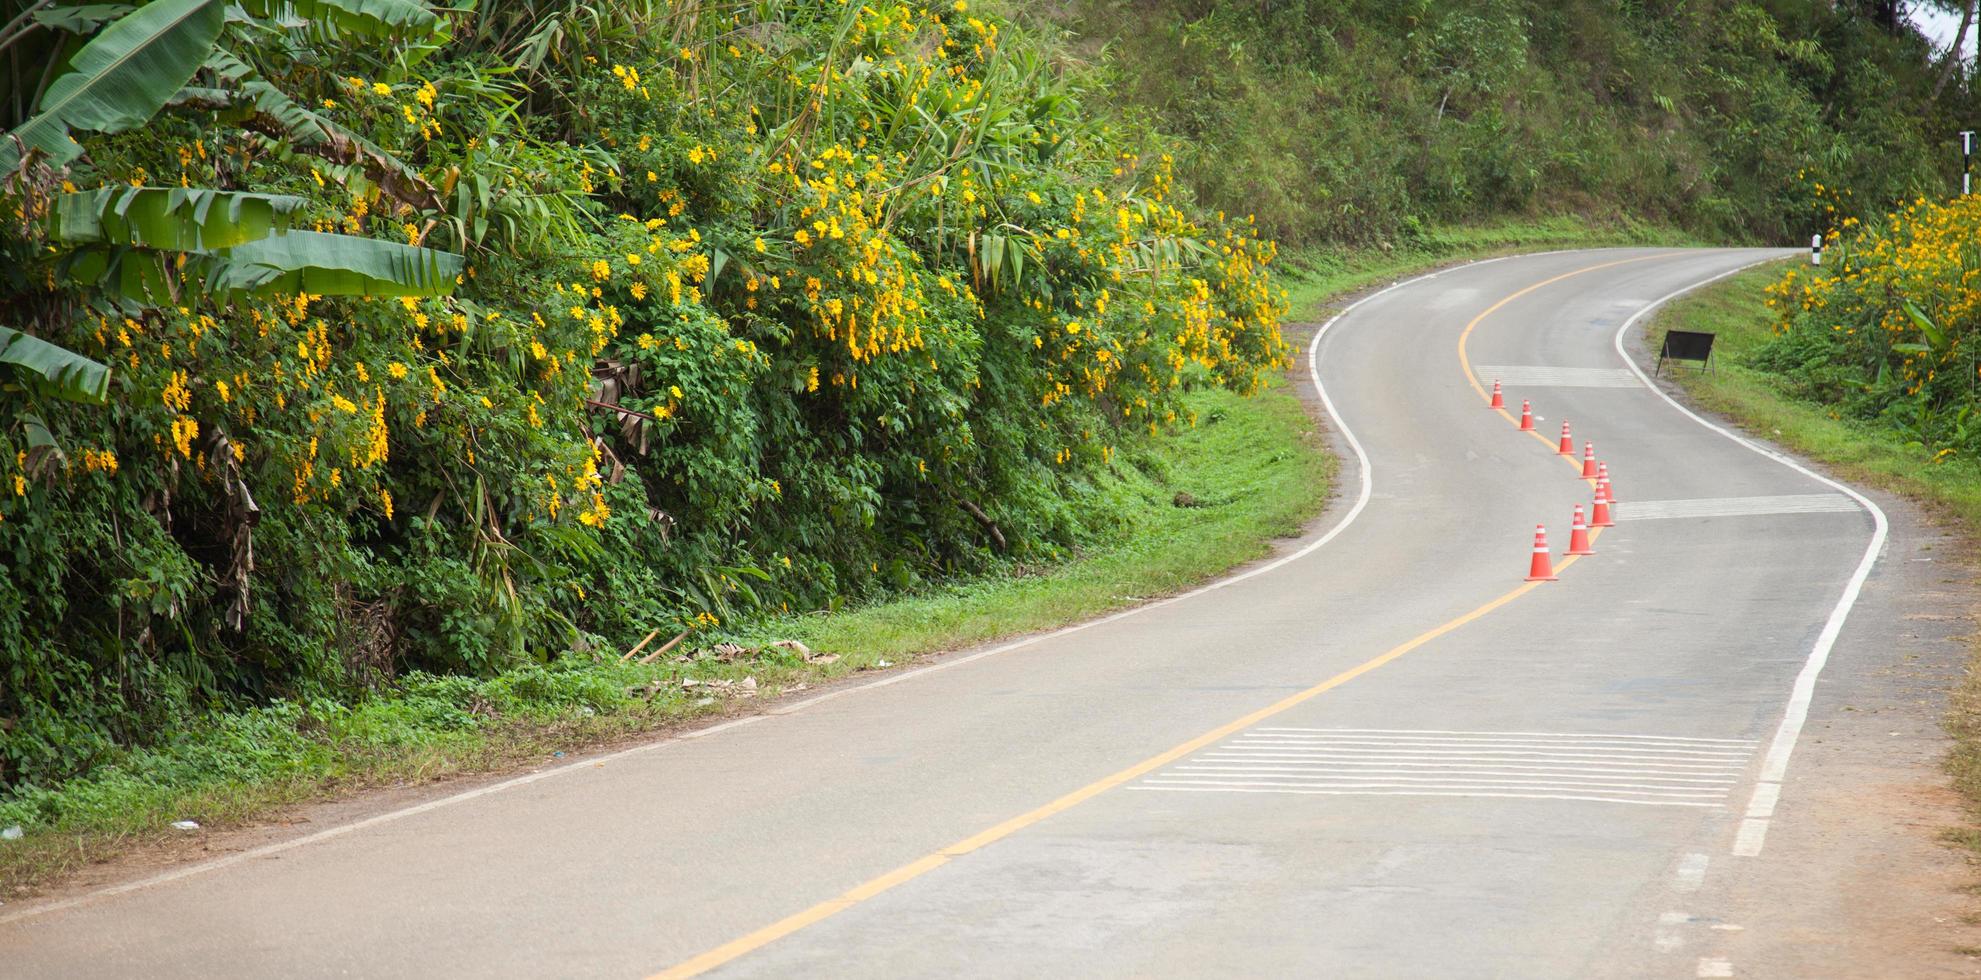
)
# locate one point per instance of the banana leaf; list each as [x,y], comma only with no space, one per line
[120,79]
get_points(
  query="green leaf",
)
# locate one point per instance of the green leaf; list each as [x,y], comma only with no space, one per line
[1926,326]
[175,218]
[333,265]
[363,18]
[121,78]
[83,19]
[53,370]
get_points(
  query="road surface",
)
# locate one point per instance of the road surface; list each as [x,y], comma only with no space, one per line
[1383,754]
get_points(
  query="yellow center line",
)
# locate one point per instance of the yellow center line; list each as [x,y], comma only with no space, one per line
[743,945]
[824,910]
[1464,335]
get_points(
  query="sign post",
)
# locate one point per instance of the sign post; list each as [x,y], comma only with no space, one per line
[1966,156]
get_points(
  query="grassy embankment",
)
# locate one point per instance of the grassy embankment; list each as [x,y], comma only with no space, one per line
[1256,469]
[1861,453]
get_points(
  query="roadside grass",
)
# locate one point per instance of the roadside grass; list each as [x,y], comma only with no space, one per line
[1861,453]
[1254,469]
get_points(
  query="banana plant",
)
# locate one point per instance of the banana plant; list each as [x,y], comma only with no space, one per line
[120,79]
[154,245]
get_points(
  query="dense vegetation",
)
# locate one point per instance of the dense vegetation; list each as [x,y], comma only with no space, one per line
[1890,330]
[360,338]
[1370,121]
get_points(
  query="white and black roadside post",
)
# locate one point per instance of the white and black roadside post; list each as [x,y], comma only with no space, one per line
[1816,250]
[1966,157]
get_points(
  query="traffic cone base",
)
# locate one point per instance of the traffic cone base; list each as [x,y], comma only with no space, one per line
[1540,569]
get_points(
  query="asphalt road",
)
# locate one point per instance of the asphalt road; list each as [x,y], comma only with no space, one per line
[1384,755]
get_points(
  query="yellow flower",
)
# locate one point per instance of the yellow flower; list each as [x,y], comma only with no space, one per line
[601,270]
[397,370]
[380,88]
[638,289]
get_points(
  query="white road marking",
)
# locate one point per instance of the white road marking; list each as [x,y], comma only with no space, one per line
[1452,787]
[1715,966]
[1596,776]
[1285,775]
[1606,736]
[1473,738]
[1545,376]
[1800,503]
[1509,754]
[1295,759]
[1414,742]
[1669,938]
[1748,839]
[1533,765]
[1426,792]
[1762,803]
[1691,872]
[1774,767]
[1583,767]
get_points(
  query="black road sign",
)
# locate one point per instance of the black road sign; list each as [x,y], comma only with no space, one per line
[1685,345]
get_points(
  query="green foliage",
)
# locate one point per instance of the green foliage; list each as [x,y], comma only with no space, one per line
[456,350]
[1367,121]
[52,370]
[1890,331]
[120,78]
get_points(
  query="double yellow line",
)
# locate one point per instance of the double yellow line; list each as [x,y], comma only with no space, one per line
[760,938]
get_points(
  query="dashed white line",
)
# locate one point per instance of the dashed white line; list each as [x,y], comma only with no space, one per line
[1715,966]
[1691,873]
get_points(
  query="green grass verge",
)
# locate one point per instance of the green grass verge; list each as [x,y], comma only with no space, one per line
[1255,468]
[1859,452]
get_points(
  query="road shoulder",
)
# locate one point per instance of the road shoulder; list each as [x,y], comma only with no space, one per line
[1858,878]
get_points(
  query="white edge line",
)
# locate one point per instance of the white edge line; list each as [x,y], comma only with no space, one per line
[1365,489]
[1774,766]
[1473,795]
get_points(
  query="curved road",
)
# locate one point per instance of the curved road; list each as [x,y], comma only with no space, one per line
[1383,755]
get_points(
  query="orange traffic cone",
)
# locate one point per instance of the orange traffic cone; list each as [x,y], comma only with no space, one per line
[1600,516]
[1588,461]
[1499,401]
[1540,570]
[1567,441]
[1526,416]
[1578,535]
[1603,477]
